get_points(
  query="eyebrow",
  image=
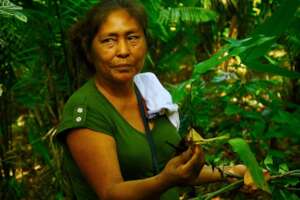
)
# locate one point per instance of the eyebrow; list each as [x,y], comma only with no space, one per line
[114,34]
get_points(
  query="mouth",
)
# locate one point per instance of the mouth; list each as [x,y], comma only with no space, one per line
[122,67]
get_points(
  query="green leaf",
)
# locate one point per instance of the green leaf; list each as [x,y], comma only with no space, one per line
[260,48]
[280,20]
[269,162]
[251,115]
[241,147]
[20,16]
[291,181]
[36,141]
[283,117]
[232,109]
[246,46]
[187,15]
[9,9]
[15,188]
[179,91]
[211,63]
[59,196]
[273,69]
[283,195]
[258,128]
[249,48]
[283,168]
[39,147]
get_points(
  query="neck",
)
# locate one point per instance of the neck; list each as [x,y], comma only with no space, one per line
[115,89]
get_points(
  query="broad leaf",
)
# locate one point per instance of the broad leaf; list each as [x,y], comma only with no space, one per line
[241,147]
[214,61]
[273,69]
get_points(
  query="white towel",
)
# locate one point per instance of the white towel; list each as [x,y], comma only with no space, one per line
[158,99]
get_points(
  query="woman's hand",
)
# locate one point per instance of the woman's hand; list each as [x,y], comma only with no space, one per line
[234,171]
[249,185]
[185,168]
[242,171]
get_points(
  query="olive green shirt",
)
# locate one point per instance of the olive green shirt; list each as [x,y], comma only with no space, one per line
[88,108]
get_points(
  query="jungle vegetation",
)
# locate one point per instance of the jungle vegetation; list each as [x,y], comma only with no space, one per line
[233,66]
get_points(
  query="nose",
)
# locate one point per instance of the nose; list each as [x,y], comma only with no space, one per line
[123,49]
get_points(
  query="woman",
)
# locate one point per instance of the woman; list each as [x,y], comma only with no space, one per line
[104,129]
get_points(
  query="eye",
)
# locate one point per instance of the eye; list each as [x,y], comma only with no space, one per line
[108,40]
[133,37]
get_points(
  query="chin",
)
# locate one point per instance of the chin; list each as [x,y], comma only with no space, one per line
[124,77]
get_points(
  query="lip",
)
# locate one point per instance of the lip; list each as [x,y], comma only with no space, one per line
[122,66]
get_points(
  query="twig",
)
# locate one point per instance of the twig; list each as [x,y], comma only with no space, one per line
[238,183]
[227,188]
[293,189]
[289,173]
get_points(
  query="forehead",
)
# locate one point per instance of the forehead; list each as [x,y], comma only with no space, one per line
[119,22]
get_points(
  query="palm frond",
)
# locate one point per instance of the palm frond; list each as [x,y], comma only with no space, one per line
[8,9]
[190,15]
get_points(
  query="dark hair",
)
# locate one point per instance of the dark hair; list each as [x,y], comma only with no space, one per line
[82,33]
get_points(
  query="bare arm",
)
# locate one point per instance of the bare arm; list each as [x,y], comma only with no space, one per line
[96,155]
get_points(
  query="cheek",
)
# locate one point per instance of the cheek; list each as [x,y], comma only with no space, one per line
[140,52]
[102,56]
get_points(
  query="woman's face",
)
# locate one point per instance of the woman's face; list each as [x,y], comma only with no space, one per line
[119,48]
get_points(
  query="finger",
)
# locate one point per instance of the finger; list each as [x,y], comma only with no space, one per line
[186,155]
[201,154]
[202,157]
[196,162]
[239,170]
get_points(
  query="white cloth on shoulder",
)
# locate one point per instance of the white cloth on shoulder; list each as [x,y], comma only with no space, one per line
[158,99]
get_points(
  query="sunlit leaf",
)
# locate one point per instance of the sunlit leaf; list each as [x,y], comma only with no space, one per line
[187,14]
[21,16]
[246,155]
[9,9]
[269,162]
[212,62]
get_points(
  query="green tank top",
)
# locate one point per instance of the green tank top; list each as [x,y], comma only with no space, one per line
[88,108]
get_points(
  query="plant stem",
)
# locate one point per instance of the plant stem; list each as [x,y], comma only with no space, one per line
[227,188]
[205,141]
[289,173]
[224,189]
[238,183]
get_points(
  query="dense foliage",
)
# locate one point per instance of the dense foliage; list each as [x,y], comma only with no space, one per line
[233,67]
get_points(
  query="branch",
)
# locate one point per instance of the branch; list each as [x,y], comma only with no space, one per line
[295,172]
[227,188]
[236,184]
